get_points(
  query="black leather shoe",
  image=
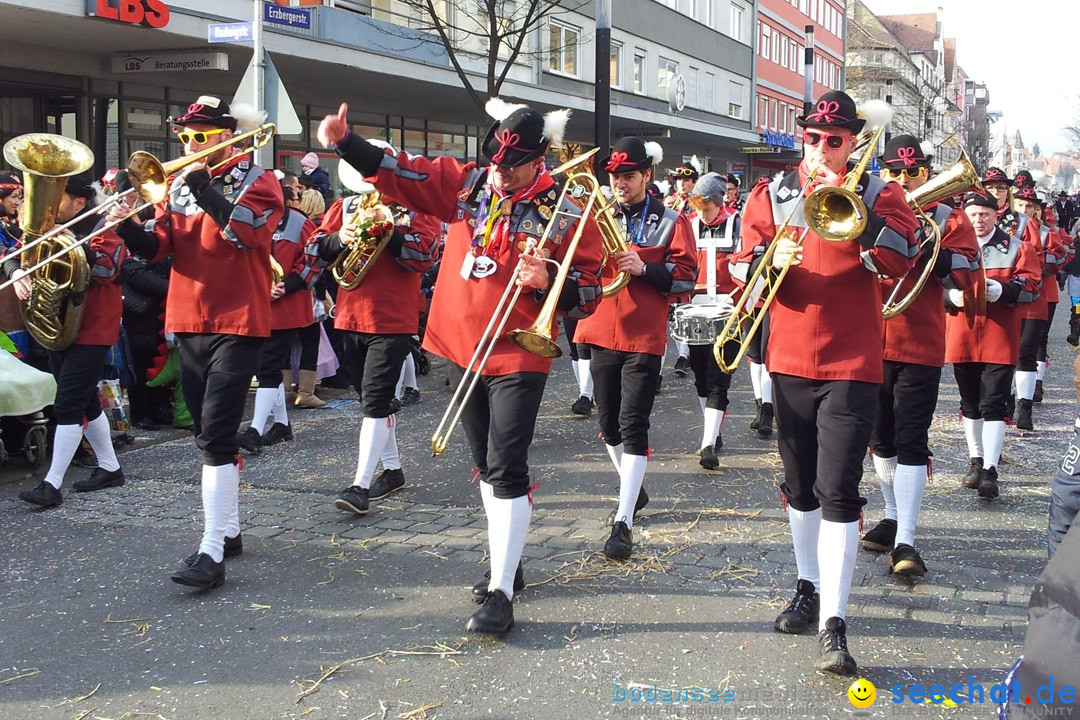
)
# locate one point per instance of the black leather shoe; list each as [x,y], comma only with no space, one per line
[905,560]
[583,406]
[389,481]
[719,444]
[971,477]
[801,611]
[99,480]
[410,396]
[988,484]
[278,433]
[44,495]
[833,655]
[882,537]
[250,439]
[765,424]
[707,458]
[756,422]
[681,366]
[1038,396]
[495,616]
[354,499]
[204,573]
[1023,415]
[480,589]
[621,543]
[233,546]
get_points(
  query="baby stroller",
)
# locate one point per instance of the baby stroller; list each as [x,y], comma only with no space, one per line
[24,393]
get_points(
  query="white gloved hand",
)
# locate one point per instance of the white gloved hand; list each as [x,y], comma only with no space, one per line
[956,298]
[993,290]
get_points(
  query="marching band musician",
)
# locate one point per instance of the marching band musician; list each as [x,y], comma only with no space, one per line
[80,366]
[628,332]
[292,246]
[715,224]
[494,215]
[1052,287]
[1051,254]
[984,354]
[378,319]
[683,178]
[914,355]
[825,356]
[218,228]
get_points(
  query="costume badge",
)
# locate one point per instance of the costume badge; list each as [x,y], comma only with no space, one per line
[563,223]
[483,266]
[463,195]
[784,193]
[526,224]
[467,266]
[545,212]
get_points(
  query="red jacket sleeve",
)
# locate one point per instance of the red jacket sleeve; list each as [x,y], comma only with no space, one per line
[1055,252]
[256,213]
[1027,273]
[895,247]
[758,231]
[681,259]
[429,186]
[963,247]
[109,252]
[421,242]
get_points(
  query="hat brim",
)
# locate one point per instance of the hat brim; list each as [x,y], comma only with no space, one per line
[512,157]
[854,126]
[228,123]
[900,164]
[627,167]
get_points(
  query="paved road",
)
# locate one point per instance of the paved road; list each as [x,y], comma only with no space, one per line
[366,616]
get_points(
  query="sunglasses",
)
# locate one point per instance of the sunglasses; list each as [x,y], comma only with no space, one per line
[834,141]
[897,173]
[200,137]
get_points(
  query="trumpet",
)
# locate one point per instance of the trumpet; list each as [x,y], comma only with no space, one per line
[537,338]
[373,224]
[150,179]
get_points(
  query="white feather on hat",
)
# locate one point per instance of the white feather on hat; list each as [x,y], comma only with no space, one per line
[695,162]
[499,109]
[247,116]
[100,195]
[927,148]
[555,125]
[876,113]
[653,150]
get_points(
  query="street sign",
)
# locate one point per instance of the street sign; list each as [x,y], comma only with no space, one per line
[230,32]
[643,133]
[759,150]
[287,16]
[167,62]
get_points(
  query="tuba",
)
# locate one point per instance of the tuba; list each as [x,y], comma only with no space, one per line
[53,313]
[959,178]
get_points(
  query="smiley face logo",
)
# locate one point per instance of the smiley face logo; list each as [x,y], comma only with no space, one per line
[862,693]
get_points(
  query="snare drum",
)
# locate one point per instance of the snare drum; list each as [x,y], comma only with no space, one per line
[696,324]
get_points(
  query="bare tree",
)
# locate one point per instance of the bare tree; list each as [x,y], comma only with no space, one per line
[1072,129]
[491,33]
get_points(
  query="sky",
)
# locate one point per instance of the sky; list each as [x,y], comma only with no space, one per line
[1025,52]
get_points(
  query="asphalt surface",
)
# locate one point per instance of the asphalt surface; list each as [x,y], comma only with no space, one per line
[331,616]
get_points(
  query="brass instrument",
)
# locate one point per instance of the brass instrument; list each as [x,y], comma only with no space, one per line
[150,179]
[959,178]
[581,185]
[373,224]
[53,312]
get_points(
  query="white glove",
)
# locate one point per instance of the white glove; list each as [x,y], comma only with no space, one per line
[993,290]
[956,298]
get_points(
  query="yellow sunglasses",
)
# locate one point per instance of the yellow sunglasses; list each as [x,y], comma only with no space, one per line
[910,172]
[200,137]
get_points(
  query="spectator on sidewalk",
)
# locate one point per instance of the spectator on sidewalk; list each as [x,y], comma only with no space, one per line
[320,179]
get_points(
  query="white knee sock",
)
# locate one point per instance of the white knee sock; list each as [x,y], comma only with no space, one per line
[508,524]
[585,383]
[408,375]
[615,453]
[682,348]
[577,374]
[1025,384]
[391,459]
[373,434]
[885,467]
[766,385]
[631,476]
[65,443]
[100,438]
[837,546]
[281,415]
[1040,369]
[220,488]
[713,420]
[993,437]
[265,399]
[805,526]
[756,370]
[973,433]
[910,483]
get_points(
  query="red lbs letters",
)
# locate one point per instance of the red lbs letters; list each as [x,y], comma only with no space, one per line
[151,13]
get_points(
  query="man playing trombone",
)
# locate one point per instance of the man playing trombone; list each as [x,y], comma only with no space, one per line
[914,355]
[217,222]
[496,217]
[825,351]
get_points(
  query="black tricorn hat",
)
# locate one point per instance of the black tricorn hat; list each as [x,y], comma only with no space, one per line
[207,110]
[833,109]
[905,151]
[980,200]
[521,134]
[996,175]
[630,154]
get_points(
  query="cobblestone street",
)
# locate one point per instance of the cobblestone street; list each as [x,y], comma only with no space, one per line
[331,616]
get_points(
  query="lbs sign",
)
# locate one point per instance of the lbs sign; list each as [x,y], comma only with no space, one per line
[148,13]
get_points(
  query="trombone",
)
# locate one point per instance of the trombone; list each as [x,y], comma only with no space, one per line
[150,178]
[537,338]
